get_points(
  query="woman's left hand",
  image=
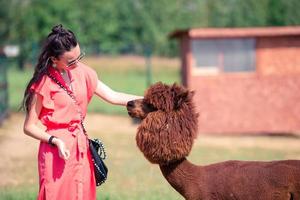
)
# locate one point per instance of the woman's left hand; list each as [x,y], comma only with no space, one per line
[64,153]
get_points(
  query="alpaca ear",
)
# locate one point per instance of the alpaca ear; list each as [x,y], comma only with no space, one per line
[181,98]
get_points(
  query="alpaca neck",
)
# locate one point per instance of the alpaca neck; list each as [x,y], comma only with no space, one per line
[183,176]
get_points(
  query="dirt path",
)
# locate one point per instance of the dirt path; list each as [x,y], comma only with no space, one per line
[19,152]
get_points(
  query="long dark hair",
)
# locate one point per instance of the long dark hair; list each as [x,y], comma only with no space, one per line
[59,41]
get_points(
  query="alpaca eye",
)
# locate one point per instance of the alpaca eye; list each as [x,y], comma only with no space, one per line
[149,107]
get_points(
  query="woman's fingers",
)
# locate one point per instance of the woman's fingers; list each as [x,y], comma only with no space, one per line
[63,152]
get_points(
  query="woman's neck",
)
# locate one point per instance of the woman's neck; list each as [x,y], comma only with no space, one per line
[64,74]
[183,176]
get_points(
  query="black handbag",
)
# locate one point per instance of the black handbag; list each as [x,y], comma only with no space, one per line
[96,147]
[98,155]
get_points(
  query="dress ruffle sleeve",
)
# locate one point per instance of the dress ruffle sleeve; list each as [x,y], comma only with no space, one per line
[91,78]
[43,89]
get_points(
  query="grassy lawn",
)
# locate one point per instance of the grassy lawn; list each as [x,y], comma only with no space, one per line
[124,74]
[131,176]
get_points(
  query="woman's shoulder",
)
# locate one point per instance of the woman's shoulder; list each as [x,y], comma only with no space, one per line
[87,70]
[90,77]
[41,83]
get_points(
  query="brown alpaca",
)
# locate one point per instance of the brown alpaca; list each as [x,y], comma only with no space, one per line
[166,134]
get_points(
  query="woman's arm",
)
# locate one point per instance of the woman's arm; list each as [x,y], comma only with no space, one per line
[31,128]
[112,96]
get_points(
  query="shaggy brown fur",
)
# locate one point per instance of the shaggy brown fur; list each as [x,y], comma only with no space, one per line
[166,134]
[172,128]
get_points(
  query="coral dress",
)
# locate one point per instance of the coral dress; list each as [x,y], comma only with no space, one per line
[74,178]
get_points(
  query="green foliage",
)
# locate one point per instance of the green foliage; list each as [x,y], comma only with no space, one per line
[133,26]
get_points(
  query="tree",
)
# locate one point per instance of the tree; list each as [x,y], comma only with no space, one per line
[129,26]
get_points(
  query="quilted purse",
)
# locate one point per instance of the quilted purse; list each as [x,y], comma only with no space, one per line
[98,155]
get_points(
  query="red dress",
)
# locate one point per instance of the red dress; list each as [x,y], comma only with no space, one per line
[74,178]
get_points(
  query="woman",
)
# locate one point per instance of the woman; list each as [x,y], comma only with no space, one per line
[64,159]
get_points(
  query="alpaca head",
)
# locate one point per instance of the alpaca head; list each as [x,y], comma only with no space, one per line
[169,122]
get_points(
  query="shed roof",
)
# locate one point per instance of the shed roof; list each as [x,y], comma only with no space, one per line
[237,32]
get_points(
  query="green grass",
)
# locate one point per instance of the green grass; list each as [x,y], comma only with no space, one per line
[133,81]
[17,81]
[132,177]
[207,154]
[18,193]
[128,78]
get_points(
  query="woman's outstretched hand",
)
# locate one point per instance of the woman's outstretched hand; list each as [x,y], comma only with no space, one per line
[64,153]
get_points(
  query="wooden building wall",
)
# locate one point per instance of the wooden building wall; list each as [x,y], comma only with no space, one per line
[264,101]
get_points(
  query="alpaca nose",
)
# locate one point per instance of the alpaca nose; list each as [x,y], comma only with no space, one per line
[130,104]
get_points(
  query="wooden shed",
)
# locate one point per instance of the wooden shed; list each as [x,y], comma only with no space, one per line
[247,80]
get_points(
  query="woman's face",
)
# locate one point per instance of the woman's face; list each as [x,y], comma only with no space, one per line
[69,59]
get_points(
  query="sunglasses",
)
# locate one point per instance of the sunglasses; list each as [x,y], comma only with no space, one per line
[73,62]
